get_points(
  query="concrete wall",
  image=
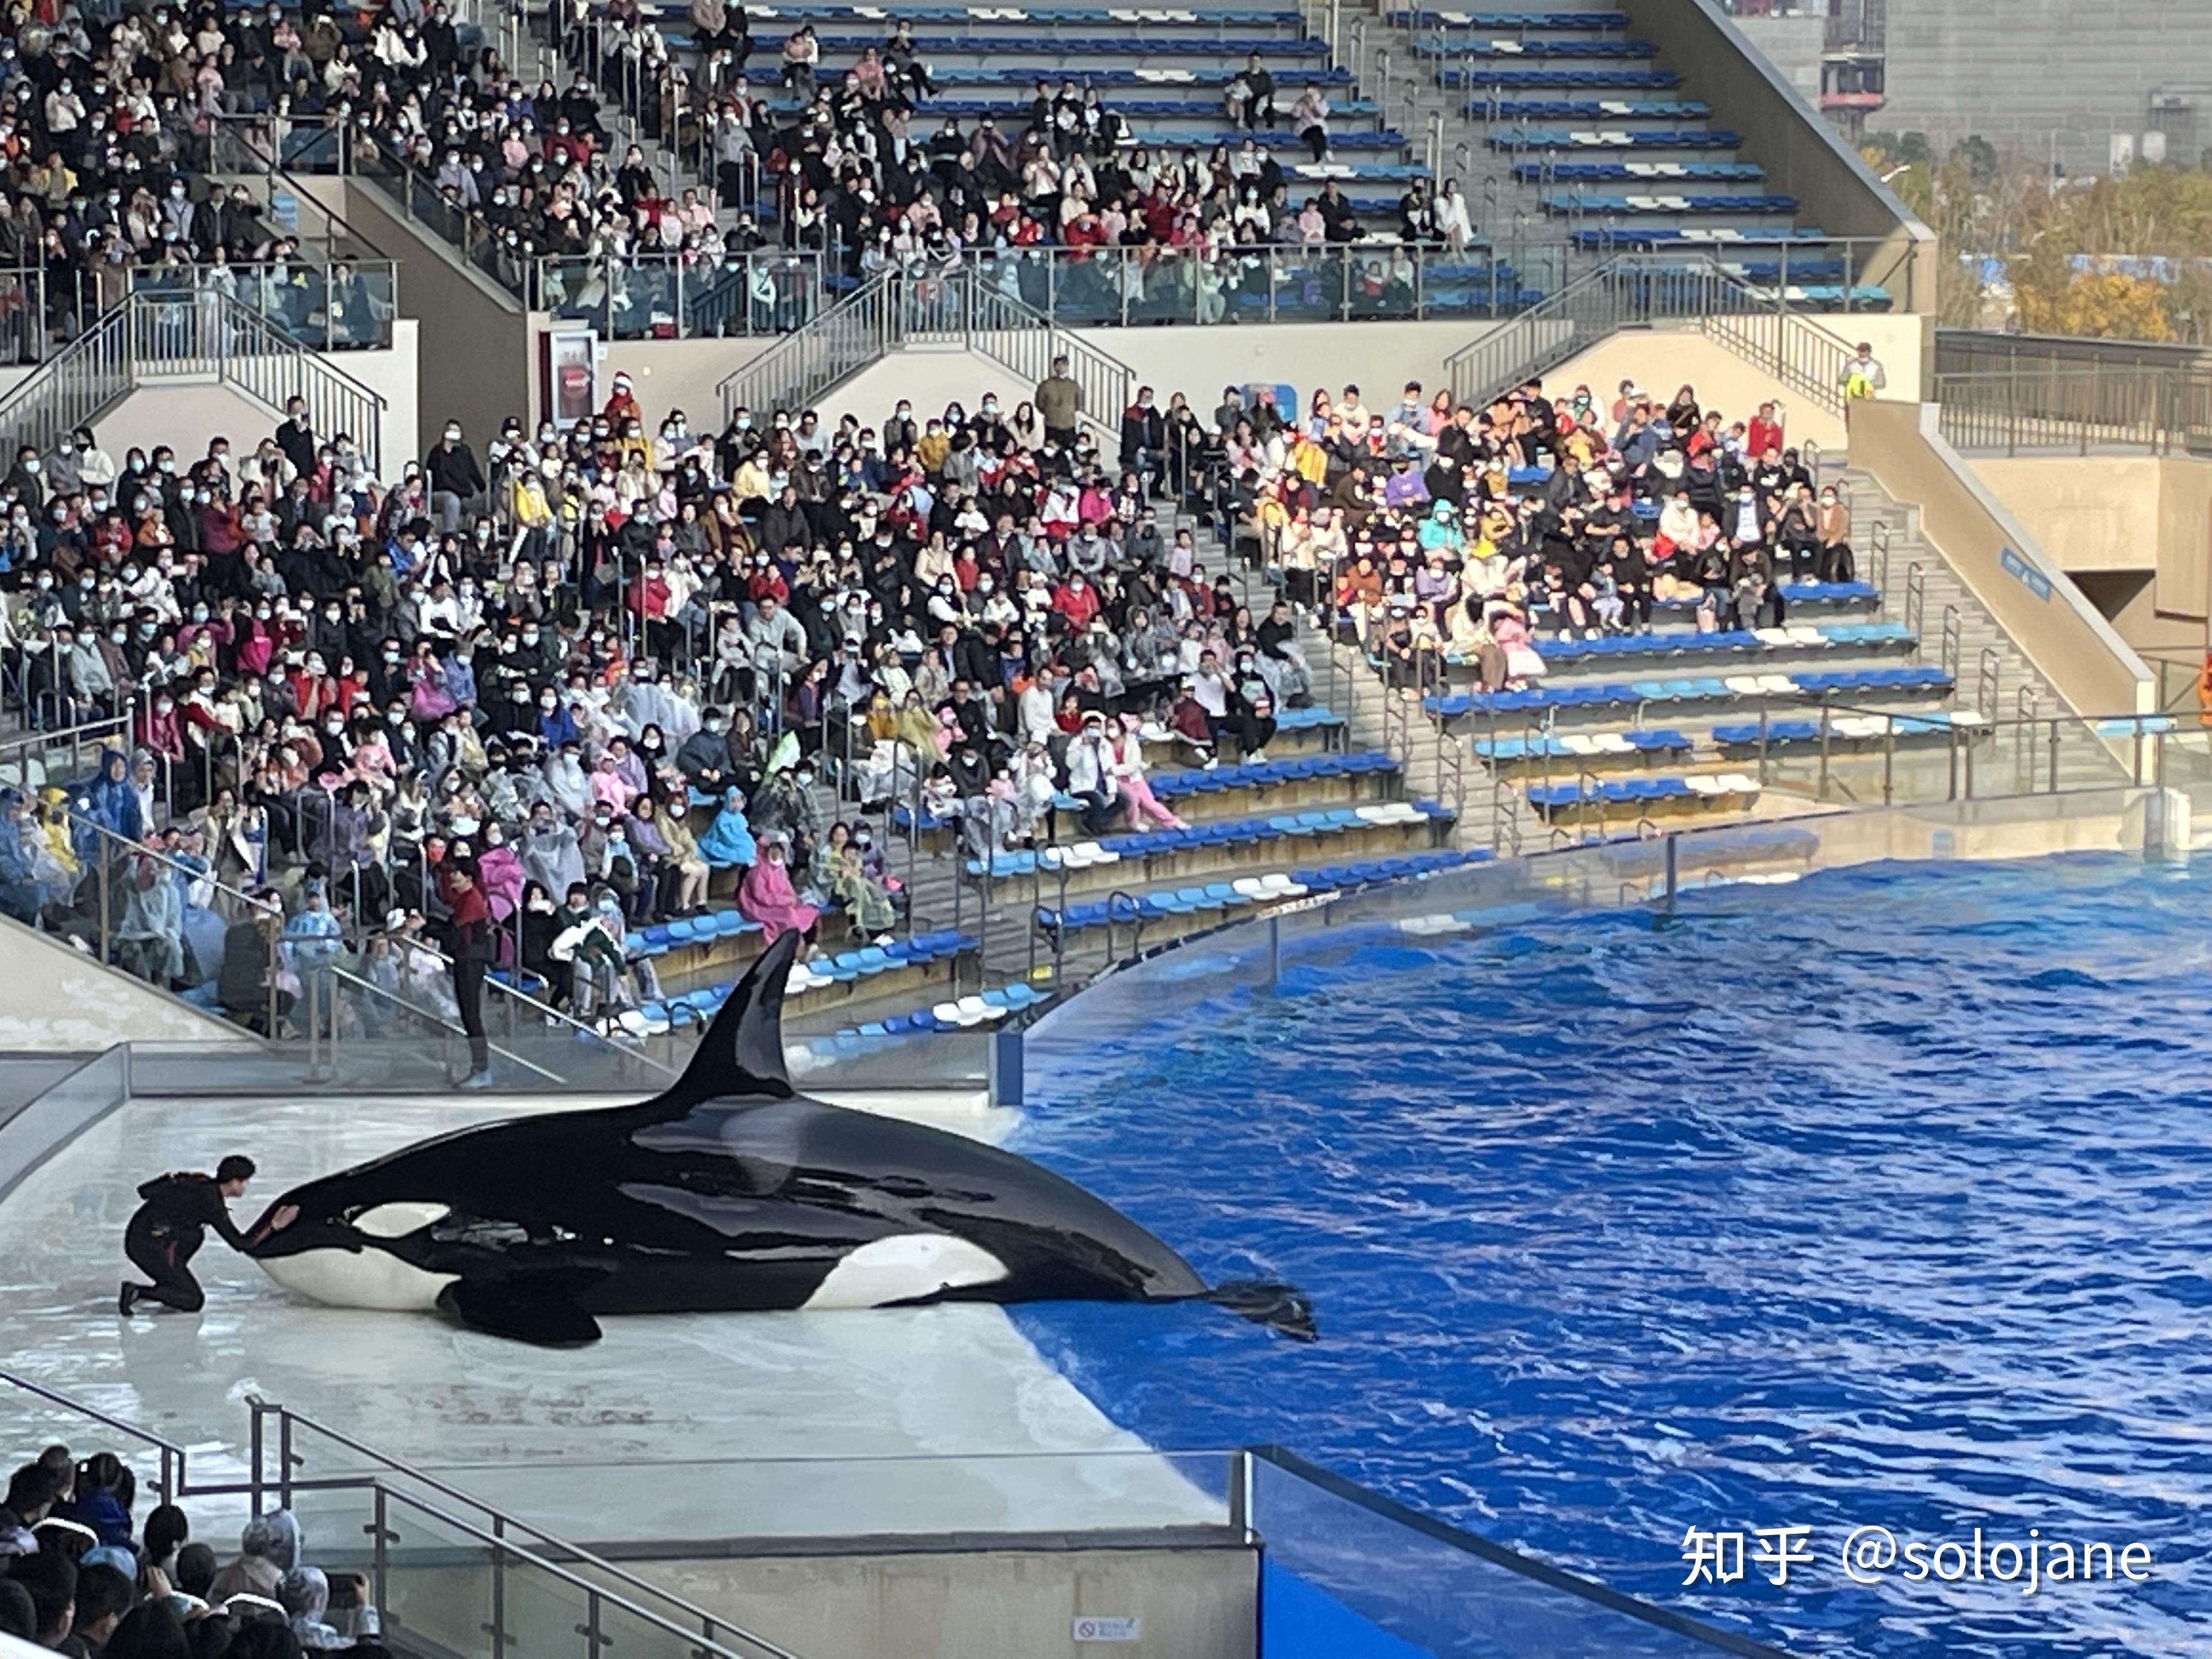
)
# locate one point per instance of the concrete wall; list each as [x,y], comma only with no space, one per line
[473,341]
[1803,156]
[2136,528]
[993,1604]
[185,415]
[2060,632]
[666,374]
[59,1000]
[1793,43]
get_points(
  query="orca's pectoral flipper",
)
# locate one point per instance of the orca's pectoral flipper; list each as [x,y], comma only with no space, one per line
[1283,1308]
[742,1053]
[519,1311]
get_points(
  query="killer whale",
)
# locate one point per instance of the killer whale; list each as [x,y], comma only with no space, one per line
[728,1192]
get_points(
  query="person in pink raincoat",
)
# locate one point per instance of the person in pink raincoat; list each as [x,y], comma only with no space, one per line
[766,895]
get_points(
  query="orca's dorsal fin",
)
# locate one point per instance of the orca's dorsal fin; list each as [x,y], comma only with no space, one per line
[742,1053]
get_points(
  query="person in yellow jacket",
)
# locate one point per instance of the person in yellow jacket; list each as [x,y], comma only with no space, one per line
[532,513]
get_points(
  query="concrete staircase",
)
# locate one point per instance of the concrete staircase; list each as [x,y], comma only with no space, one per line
[1992,670]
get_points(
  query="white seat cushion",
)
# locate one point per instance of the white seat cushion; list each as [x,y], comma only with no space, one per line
[1744,685]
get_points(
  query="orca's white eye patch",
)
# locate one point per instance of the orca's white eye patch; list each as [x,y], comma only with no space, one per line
[398,1220]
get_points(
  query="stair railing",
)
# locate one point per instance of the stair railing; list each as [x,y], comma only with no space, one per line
[149,338]
[856,332]
[70,387]
[1634,291]
[1012,332]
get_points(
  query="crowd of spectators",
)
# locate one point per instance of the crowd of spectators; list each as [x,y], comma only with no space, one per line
[114,119]
[506,709]
[82,1574]
[111,119]
[1434,532]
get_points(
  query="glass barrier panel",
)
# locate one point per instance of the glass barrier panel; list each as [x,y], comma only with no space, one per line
[362,299]
[444,1592]
[1468,284]
[641,298]
[590,1504]
[1340,1576]
[1308,284]
[1089,291]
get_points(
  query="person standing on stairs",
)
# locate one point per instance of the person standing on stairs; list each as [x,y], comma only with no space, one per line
[469,945]
[1058,401]
[1835,537]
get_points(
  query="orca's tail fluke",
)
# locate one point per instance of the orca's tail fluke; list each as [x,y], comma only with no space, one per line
[1283,1308]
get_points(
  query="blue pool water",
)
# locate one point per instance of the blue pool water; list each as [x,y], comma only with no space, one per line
[1883,1197]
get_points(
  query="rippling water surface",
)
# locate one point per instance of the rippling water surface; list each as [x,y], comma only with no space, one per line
[1884,1197]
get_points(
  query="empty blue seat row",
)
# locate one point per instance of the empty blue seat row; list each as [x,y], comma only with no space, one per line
[979,75]
[1797,593]
[1638,173]
[1013,104]
[920,1021]
[1616,138]
[1651,236]
[1603,695]
[1123,908]
[1169,786]
[1457,48]
[841,45]
[1663,741]
[846,966]
[1670,203]
[794,12]
[1875,679]
[665,936]
[1234,833]
[1614,791]
[1641,80]
[1678,644]
[1739,733]
[1424,19]
[1592,109]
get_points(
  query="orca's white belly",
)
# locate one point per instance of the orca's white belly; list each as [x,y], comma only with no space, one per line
[358,1279]
[905,1268]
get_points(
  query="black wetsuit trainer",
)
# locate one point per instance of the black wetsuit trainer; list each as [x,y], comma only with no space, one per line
[168,1230]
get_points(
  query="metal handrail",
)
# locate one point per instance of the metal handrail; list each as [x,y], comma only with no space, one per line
[18,749]
[856,332]
[171,1484]
[288,1421]
[702,1644]
[1635,289]
[146,336]
[120,848]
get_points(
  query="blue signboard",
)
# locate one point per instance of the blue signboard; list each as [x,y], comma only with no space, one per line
[2021,571]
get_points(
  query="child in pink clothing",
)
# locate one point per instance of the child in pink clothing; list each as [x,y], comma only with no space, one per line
[1129,774]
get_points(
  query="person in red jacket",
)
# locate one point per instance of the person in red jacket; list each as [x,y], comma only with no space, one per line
[1764,433]
[1077,600]
[469,944]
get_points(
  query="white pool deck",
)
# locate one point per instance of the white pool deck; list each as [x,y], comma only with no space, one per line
[692,1426]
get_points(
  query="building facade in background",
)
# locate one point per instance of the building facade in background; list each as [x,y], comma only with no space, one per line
[2086,93]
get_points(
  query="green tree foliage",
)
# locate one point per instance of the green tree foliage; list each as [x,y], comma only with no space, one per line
[1985,204]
